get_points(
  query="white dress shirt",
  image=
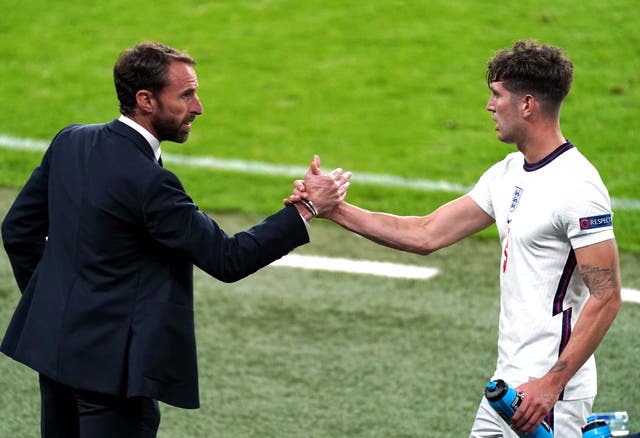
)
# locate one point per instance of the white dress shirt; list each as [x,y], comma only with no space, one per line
[153,142]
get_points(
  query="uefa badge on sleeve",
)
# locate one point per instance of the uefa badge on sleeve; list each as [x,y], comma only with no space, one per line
[588,223]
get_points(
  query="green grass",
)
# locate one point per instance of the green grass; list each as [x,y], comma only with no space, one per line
[393,87]
[292,353]
[387,86]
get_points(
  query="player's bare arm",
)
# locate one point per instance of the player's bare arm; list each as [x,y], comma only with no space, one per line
[602,281]
[599,268]
[417,234]
[598,265]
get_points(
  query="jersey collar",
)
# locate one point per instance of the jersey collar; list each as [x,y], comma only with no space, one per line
[530,167]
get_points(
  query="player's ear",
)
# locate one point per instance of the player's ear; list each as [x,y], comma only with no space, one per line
[527,104]
[145,101]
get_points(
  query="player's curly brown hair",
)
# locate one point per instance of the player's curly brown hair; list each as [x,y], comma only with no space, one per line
[528,67]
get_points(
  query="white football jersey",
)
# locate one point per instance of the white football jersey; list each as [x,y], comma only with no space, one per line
[543,212]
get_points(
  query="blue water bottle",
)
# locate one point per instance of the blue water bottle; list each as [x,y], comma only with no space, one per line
[596,428]
[505,400]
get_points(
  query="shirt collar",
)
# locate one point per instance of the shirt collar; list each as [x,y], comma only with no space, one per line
[564,147]
[153,142]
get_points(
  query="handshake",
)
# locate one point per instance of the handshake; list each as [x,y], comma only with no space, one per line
[317,195]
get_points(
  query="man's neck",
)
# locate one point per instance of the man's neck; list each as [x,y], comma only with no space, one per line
[142,130]
[541,143]
[144,122]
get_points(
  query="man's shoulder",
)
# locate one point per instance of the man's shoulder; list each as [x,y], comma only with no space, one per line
[113,131]
[87,126]
[513,160]
[81,129]
[574,167]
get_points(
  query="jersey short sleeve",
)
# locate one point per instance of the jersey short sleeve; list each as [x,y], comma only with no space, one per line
[586,216]
[481,192]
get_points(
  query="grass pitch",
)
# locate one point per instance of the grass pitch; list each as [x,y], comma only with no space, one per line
[383,86]
[292,353]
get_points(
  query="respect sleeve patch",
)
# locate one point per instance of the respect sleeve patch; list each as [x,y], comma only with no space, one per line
[588,223]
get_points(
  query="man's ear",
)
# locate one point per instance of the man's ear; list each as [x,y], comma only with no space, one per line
[528,104]
[145,101]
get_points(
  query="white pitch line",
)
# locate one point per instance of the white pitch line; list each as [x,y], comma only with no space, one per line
[381,269]
[324,263]
[28,144]
[631,295]
[255,167]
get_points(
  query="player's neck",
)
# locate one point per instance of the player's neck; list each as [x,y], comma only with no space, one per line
[541,143]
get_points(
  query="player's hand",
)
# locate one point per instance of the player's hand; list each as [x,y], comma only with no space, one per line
[325,191]
[298,193]
[539,398]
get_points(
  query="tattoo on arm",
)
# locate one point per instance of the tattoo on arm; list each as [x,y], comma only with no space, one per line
[598,279]
[558,367]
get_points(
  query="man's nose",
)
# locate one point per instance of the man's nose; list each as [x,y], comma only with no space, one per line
[489,106]
[197,107]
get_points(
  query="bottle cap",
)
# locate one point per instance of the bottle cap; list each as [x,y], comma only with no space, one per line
[595,429]
[593,424]
[495,390]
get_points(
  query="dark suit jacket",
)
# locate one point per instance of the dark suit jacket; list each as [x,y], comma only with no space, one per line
[102,241]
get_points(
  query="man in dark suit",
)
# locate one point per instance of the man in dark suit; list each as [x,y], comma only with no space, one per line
[102,240]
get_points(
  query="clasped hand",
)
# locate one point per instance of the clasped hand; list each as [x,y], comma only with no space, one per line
[324,191]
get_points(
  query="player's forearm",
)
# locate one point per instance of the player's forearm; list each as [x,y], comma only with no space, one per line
[405,233]
[418,234]
[589,331]
[599,267]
